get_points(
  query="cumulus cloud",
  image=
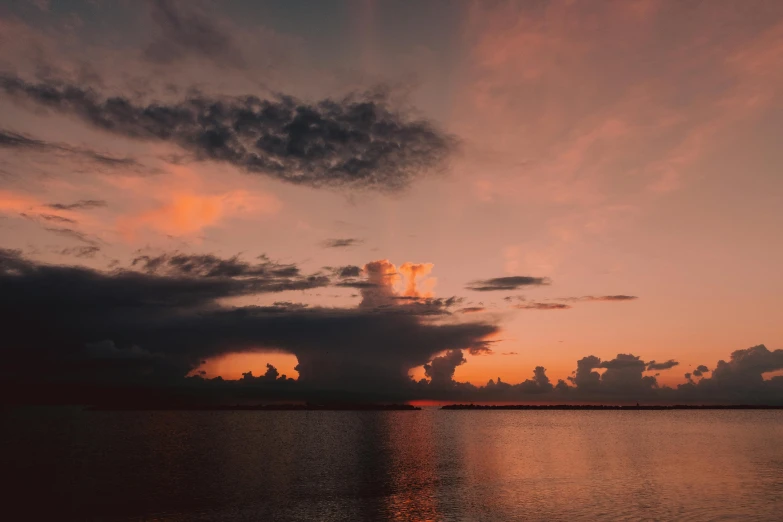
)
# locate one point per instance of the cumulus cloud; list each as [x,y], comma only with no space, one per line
[414,273]
[354,142]
[507,283]
[700,370]
[441,369]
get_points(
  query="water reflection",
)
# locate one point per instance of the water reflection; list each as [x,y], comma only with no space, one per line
[423,465]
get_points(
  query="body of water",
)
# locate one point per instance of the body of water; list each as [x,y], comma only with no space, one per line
[68,464]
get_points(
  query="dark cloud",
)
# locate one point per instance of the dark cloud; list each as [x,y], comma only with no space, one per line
[740,380]
[746,367]
[21,142]
[509,353]
[507,283]
[356,284]
[82,204]
[342,243]
[671,363]
[209,265]
[166,307]
[348,271]
[183,30]
[542,306]
[623,376]
[700,370]
[441,369]
[355,142]
[271,375]
[471,310]
[483,347]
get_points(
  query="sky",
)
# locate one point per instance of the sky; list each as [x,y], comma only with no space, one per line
[574,200]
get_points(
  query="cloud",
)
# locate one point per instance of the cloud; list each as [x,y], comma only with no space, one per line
[671,363]
[471,310]
[82,204]
[441,369]
[746,367]
[350,283]
[183,213]
[413,272]
[347,271]
[607,298]
[22,143]
[342,243]
[72,234]
[507,283]
[542,306]
[700,370]
[87,332]
[168,306]
[81,251]
[56,219]
[355,142]
[210,265]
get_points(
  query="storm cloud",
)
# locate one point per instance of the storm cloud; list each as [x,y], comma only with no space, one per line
[166,309]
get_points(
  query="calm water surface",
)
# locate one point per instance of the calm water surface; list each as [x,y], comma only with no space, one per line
[67,464]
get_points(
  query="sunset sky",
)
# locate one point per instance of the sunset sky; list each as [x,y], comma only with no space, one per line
[583,178]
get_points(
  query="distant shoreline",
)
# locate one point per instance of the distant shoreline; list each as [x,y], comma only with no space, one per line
[409,407]
[608,407]
[259,407]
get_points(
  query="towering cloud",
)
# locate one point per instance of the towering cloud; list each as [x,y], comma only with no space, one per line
[153,323]
[441,369]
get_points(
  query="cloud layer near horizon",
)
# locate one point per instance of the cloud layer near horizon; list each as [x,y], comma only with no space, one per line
[152,324]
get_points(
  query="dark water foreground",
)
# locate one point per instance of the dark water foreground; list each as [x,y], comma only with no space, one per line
[68,464]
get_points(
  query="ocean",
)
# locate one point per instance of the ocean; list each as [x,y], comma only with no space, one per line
[71,464]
